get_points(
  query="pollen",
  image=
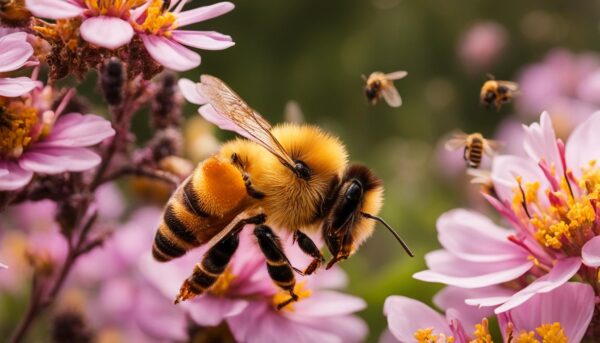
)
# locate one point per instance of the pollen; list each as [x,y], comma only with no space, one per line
[526,337]
[552,333]
[482,333]
[223,284]
[427,336]
[158,21]
[113,7]
[283,296]
[17,123]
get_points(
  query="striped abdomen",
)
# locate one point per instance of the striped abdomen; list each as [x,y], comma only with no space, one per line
[475,153]
[200,207]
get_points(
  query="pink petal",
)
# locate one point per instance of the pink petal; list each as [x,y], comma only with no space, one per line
[571,305]
[76,130]
[159,318]
[13,53]
[12,176]
[540,143]
[13,87]
[506,168]
[53,160]
[190,92]
[210,114]
[582,145]
[388,337]
[454,297]
[211,311]
[197,39]
[3,266]
[348,329]
[590,253]
[328,303]
[405,316]
[106,32]
[170,53]
[473,237]
[448,269]
[54,9]
[562,271]
[203,13]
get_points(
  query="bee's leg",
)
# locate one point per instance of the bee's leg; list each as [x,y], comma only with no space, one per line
[235,159]
[310,248]
[278,265]
[215,261]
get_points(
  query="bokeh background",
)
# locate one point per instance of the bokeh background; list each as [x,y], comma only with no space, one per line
[314,52]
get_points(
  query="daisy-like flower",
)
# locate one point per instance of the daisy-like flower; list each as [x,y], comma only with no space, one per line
[550,198]
[112,24]
[15,52]
[246,299]
[562,315]
[36,139]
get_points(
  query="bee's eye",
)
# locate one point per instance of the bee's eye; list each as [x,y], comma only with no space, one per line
[354,191]
[502,89]
[302,170]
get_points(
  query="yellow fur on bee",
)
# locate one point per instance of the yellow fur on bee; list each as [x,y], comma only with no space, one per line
[219,184]
[364,228]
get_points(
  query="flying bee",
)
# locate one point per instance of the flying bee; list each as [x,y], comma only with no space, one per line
[379,85]
[496,92]
[288,178]
[474,147]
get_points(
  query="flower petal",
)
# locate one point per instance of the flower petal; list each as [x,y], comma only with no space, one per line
[211,311]
[448,269]
[210,114]
[170,53]
[473,237]
[203,13]
[12,87]
[540,143]
[12,176]
[190,92]
[506,168]
[76,130]
[590,253]
[13,52]
[53,160]
[54,9]
[329,303]
[199,40]
[562,271]
[571,305]
[405,316]
[582,146]
[106,32]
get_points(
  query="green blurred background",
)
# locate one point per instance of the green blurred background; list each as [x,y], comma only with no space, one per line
[314,52]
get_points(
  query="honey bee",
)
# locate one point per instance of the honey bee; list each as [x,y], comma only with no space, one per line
[291,177]
[474,147]
[380,85]
[495,92]
[14,11]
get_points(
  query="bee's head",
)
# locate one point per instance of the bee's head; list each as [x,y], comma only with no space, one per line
[372,90]
[352,217]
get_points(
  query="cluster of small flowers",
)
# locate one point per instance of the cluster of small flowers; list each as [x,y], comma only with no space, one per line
[540,276]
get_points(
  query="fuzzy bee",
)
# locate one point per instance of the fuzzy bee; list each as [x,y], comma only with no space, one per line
[496,92]
[379,85]
[475,145]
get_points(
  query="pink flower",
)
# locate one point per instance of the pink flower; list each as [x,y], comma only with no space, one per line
[565,84]
[15,53]
[244,297]
[112,25]
[550,198]
[36,139]
[481,45]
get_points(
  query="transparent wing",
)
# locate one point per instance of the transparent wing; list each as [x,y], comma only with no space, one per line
[391,96]
[231,112]
[512,86]
[458,140]
[491,147]
[396,75]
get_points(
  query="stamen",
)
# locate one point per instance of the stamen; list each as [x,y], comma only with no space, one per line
[523,197]
[16,128]
[283,297]
[482,332]
[221,287]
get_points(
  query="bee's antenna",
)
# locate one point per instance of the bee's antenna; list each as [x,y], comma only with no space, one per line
[363,77]
[400,240]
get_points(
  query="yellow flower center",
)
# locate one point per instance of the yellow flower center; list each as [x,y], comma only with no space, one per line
[570,218]
[548,333]
[427,336]
[17,122]
[221,287]
[113,7]
[284,296]
[482,333]
[158,20]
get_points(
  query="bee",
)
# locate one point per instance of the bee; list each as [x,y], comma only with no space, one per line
[287,178]
[474,147]
[495,92]
[379,85]
[14,11]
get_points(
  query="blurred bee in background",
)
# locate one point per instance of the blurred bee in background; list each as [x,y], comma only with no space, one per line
[496,92]
[475,145]
[14,11]
[380,85]
[292,177]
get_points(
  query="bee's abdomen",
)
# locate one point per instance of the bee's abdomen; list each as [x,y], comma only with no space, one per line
[476,153]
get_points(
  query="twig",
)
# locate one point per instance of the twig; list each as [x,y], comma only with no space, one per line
[146,172]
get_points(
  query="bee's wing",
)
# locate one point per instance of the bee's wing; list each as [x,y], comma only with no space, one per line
[512,86]
[396,75]
[457,141]
[232,225]
[391,96]
[480,176]
[491,147]
[227,110]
